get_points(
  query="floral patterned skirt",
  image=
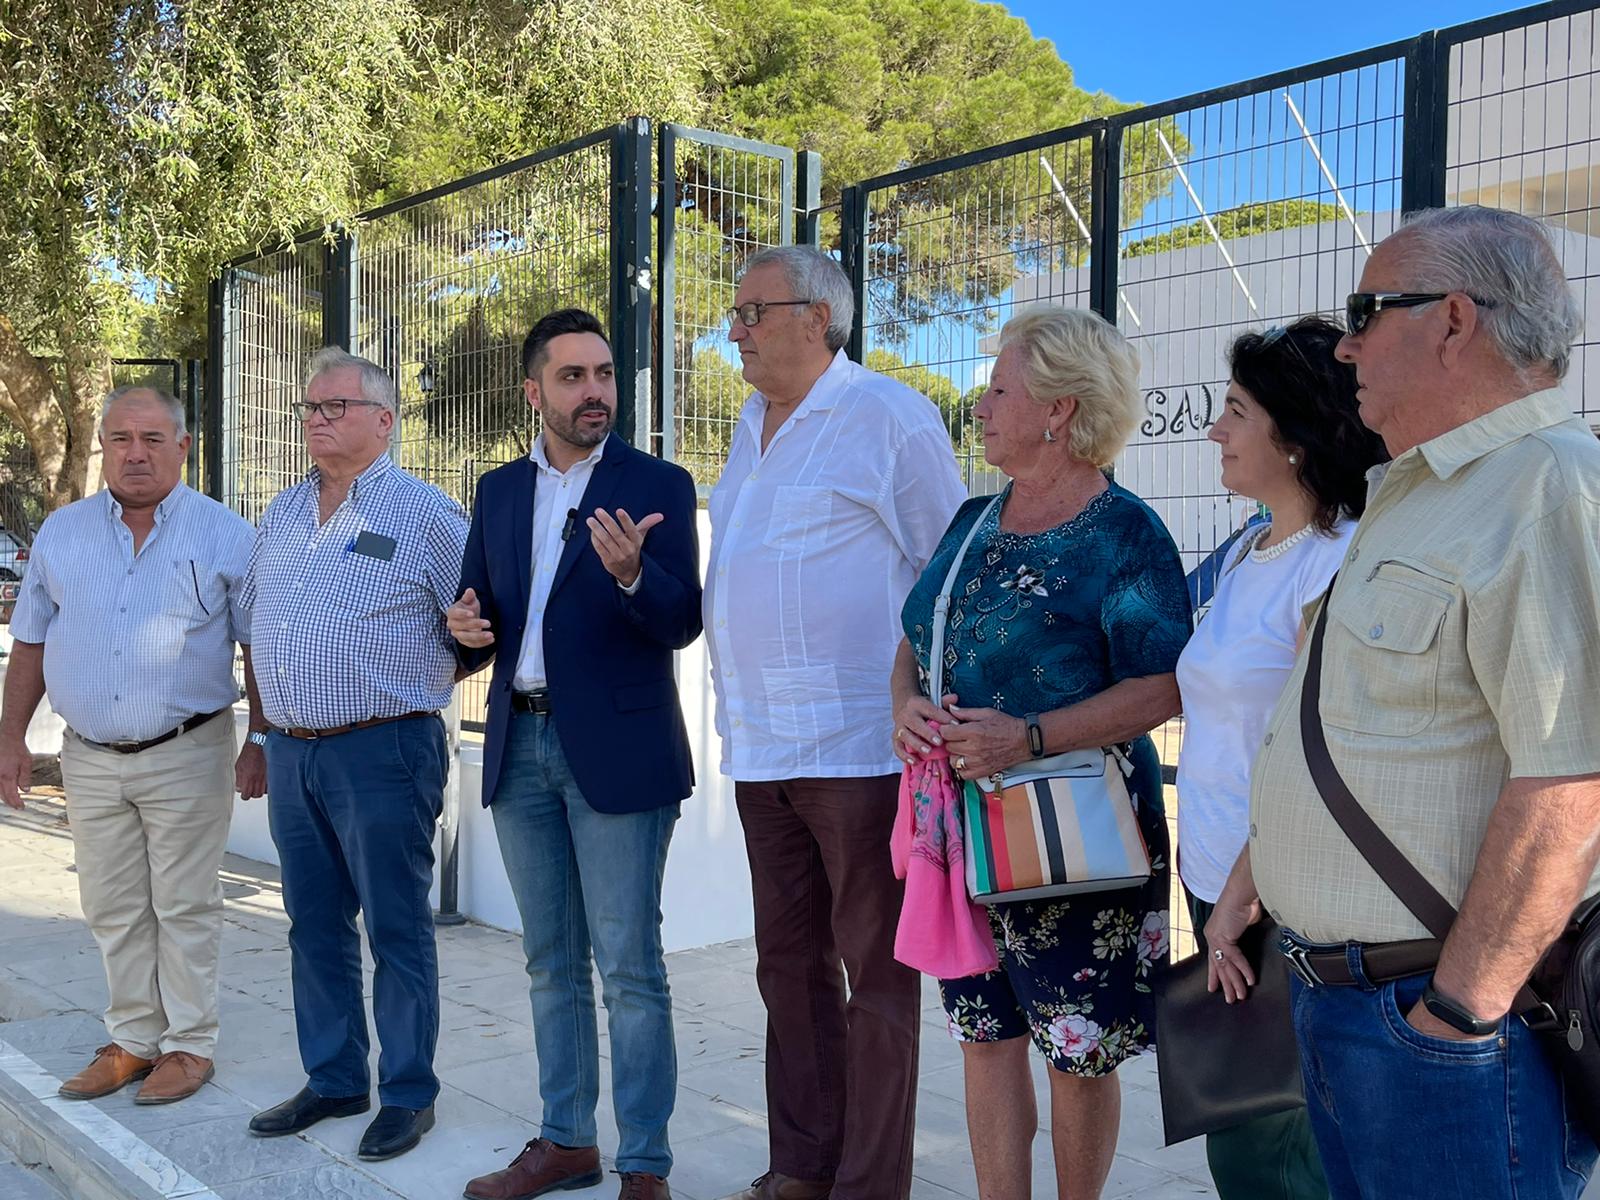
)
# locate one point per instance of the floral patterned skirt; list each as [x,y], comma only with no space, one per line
[1074,973]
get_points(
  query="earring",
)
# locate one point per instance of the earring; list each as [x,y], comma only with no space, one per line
[1294,460]
[1048,436]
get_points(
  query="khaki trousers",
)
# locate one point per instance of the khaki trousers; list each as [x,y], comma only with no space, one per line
[149,830]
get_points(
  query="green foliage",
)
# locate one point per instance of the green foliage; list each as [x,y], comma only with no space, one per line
[1244,221]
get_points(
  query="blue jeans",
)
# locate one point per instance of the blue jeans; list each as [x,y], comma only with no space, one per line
[584,878]
[352,817]
[1397,1113]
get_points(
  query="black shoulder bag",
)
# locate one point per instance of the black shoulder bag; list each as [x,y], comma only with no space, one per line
[1561,1001]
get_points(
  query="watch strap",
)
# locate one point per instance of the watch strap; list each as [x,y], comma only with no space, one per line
[1454,1015]
[1035,735]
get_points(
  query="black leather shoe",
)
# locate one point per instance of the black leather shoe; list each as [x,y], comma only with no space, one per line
[394,1131]
[303,1110]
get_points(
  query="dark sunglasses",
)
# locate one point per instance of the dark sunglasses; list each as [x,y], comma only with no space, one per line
[1361,307]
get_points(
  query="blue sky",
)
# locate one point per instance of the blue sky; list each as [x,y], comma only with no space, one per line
[1197,45]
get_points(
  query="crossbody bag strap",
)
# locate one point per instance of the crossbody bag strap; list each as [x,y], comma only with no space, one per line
[1382,855]
[941,606]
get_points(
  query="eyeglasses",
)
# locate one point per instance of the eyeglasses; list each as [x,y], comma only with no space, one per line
[1280,333]
[331,410]
[1361,307]
[750,314]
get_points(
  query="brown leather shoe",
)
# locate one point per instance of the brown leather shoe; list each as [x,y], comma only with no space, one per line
[773,1186]
[542,1167]
[112,1069]
[177,1075]
[637,1185]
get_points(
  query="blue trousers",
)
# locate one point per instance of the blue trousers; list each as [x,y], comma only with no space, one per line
[353,817]
[1397,1113]
[588,887]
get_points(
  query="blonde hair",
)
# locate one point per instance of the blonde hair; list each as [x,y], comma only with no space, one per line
[1073,352]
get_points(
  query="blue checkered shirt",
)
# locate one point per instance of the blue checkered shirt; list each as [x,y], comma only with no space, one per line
[338,635]
[136,644]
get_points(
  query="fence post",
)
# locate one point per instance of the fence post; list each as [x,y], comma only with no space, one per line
[852,249]
[336,291]
[216,398]
[193,410]
[632,280]
[667,293]
[1427,114]
[1105,218]
[808,197]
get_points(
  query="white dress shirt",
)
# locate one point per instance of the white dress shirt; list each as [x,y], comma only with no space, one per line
[137,643]
[555,494]
[814,544]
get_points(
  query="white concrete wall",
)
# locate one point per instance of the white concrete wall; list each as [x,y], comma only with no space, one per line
[707,894]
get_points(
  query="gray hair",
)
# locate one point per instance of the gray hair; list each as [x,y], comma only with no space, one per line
[1074,352]
[816,276]
[166,399]
[1508,260]
[376,384]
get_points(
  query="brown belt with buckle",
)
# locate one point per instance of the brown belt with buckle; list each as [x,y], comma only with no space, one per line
[193,722]
[1381,962]
[309,735]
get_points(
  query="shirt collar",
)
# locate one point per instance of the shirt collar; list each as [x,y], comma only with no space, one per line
[824,393]
[379,467]
[1465,444]
[165,509]
[542,461]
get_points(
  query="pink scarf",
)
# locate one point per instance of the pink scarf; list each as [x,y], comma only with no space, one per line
[942,932]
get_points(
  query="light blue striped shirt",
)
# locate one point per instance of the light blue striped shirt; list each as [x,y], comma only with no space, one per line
[348,616]
[136,644]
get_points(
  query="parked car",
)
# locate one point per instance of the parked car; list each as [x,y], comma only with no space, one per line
[13,556]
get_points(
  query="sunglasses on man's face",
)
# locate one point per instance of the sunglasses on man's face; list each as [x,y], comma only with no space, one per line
[1361,307]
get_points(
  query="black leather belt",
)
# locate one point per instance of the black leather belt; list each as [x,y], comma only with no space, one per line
[311,735]
[537,701]
[1381,962]
[193,722]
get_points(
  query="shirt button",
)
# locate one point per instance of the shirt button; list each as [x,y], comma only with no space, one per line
[722,624]
[122,610]
[1355,554]
[722,570]
[1377,632]
[727,671]
[1252,829]
[737,722]
[1267,741]
[130,570]
[754,476]
[116,654]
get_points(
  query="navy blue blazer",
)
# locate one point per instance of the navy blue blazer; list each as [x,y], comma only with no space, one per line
[607,655]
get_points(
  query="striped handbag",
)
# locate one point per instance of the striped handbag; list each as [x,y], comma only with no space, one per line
[1053,827]
[1050,826]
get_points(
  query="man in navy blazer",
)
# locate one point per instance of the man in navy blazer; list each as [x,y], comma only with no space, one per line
[580,579]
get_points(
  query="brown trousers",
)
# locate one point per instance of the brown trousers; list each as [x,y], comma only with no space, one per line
[841,1068]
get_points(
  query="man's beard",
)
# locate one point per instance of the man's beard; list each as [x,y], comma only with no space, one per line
[568,430]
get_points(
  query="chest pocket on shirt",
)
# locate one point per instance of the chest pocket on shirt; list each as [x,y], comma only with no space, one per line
[369,585]
[799,519]
[1382,675]
[195,593]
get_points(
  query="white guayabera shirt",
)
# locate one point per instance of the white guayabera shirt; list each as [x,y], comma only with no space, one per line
[814,545]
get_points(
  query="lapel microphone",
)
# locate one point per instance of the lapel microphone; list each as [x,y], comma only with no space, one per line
[571,527]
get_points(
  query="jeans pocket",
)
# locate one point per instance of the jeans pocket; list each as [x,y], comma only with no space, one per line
[1578,1148]
[1397,998]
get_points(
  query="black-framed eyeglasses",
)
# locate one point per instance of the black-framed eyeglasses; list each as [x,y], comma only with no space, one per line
[331,410]
[1361,307]
[750,314]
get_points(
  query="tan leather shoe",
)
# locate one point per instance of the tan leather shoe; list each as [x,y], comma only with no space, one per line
[112,1069]
[542,1167]
[637,1185]
[177,1075]
[773,1186]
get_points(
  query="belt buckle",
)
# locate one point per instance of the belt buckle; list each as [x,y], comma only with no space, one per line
[1300,963]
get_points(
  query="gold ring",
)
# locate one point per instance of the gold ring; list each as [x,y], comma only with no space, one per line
[960,762]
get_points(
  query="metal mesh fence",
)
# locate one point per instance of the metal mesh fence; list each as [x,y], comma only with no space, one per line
[446,290]
[947,257]
[1523,133]
[722,200]
[272,324]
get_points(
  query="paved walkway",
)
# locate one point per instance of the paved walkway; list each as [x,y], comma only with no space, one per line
[52,989]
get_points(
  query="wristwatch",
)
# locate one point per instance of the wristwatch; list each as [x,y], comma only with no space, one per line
[1453,1015]
[257,738]
[1035,735]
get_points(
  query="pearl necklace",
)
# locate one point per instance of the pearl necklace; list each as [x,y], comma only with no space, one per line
[1272,552]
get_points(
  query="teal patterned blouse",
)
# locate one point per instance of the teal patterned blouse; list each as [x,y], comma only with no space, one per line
[1042,621]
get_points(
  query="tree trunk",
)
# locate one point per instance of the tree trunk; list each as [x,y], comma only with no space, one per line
[56,417]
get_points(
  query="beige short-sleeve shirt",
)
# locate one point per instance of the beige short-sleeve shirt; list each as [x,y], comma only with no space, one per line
[1462,649]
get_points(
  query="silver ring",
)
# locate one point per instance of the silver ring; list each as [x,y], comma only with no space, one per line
[1217,954]
[960,762]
